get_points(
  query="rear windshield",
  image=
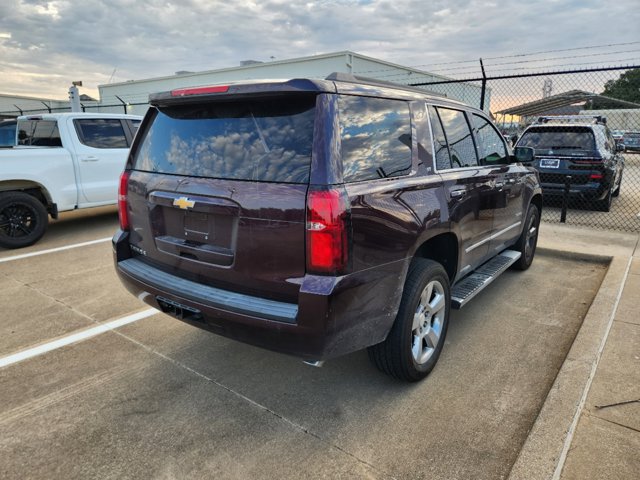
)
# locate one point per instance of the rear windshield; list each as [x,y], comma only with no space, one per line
[262,140]
[558,138]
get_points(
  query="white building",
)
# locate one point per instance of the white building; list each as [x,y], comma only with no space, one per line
[13,105]
[619,119]
[135,93]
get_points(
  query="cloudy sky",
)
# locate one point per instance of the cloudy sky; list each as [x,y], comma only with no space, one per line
[44,45]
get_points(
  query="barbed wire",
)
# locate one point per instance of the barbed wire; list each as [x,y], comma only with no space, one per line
[457,62]
[620,63]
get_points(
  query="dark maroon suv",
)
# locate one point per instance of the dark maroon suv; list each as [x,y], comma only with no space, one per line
[320,217]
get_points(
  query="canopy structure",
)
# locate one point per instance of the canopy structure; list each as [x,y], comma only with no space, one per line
[545,105]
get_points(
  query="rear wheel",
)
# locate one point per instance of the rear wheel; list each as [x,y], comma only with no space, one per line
[23,220]
[617,192]
[415,341]
[605,204]
[528,240]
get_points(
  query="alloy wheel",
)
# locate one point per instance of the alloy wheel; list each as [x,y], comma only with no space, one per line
[428,321]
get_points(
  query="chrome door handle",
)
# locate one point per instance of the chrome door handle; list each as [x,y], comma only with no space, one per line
[89,159]
[457,193]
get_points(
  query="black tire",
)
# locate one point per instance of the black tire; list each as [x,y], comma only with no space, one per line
[617,191]
[605,205]
[23,220]
[427,282]
[528,240]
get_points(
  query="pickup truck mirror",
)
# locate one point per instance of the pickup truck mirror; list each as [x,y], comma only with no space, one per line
[523,154]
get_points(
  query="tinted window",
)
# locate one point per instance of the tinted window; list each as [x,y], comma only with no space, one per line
[461,146]
[558,138]
[268,140]
[376,138]
[7,134]
[101,133]
[41,133]
[609,142]
[631,139]
[134,125]
[490,143]
[443,161]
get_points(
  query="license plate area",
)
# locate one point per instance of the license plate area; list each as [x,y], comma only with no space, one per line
[198,226]
[549,163]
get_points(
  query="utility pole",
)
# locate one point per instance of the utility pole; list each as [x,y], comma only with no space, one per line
[74,96]
[547,88]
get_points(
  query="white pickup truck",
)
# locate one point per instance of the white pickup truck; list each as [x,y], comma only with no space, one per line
[61,161]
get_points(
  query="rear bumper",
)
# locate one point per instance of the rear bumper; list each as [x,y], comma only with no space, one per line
[591,191]
[333,315]
[214,297]
[579,186]
[580,183]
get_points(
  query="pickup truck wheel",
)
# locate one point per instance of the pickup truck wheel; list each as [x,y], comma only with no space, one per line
[415,341]
[23,220]
[528,240]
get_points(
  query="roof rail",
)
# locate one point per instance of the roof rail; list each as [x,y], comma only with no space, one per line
[350,78]
[573,119]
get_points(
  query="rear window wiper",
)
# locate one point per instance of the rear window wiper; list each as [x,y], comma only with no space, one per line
[260,134]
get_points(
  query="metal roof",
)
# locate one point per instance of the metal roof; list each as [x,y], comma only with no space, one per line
[544,105]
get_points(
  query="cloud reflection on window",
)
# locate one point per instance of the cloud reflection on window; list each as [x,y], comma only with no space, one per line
[376,138]
[268,141]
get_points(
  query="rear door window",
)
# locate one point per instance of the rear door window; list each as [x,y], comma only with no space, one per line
[375,137]
[456,128]
[101,133]
[490,143]
[443,159]
[39,133]
[261,140]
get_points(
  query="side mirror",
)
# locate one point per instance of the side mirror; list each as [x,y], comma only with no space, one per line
[524,154]
[620,147]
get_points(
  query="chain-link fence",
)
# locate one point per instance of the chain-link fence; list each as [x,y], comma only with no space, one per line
[92,108]
[584,129]
[589,170]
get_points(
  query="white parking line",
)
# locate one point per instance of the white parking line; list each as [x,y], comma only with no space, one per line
[52,250]
[75,337]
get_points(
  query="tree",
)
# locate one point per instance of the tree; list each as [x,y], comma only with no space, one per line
[627,88]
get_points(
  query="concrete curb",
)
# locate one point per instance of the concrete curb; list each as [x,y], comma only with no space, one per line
[543,453]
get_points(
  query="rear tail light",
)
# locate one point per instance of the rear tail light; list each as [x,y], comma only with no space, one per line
[596,176]
[123,213]
[327,231]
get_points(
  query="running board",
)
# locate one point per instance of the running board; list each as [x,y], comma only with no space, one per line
[472,284]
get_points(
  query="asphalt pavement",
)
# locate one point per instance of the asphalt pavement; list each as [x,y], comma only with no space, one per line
[537,379]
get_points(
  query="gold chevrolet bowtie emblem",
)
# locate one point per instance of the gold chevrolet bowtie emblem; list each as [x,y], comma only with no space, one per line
[183,203]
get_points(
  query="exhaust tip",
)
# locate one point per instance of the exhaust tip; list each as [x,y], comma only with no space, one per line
[314,363]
